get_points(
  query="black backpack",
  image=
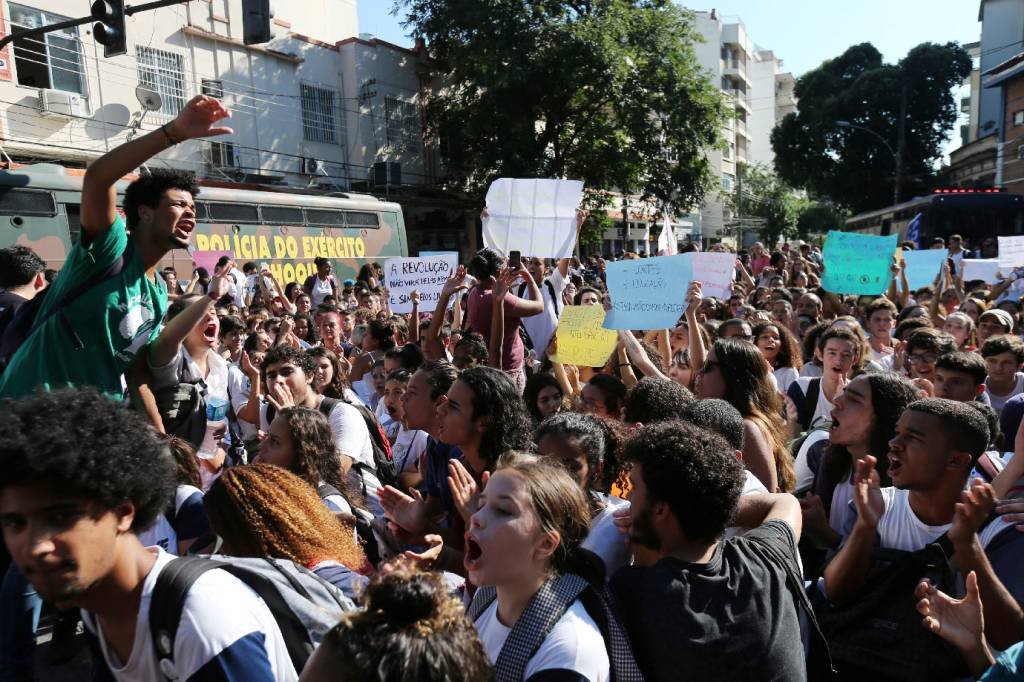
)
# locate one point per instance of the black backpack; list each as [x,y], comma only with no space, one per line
[383,458]
[27,321]
[879,635]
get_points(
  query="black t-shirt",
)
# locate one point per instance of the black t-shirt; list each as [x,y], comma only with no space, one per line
[730,619]
[9,304]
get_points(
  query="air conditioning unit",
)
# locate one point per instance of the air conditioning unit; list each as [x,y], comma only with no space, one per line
[313,167]
[60,104]
[386,174]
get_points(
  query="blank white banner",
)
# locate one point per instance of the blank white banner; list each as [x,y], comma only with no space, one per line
[535,217]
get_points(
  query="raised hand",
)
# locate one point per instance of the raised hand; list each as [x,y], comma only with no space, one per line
[198,119]
[220,283]
[408,512]
[465,492]
[694,296]
[961,622]
[506,278]
[425,559]
[414,296]
[456,282]
[867,493]
[978,501]
[280,396]
[248,369]
[581,217]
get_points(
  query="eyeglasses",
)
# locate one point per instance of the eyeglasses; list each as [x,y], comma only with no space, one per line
[927,358]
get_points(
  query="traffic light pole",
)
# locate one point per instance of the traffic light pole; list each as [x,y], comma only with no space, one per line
[134,9]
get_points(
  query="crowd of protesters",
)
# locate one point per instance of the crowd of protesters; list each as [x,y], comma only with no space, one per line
[789,484]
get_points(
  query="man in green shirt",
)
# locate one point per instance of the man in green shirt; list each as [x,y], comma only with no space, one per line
[92,341]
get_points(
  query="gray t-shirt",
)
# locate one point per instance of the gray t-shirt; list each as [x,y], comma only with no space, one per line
[731,618]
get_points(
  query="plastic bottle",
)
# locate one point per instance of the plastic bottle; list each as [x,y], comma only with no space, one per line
[216,420]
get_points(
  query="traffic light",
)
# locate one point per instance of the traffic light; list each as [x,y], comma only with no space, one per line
[108,30]
[256,17]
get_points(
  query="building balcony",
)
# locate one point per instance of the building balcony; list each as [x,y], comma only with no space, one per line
[736,69]
[740,98]
[741,128]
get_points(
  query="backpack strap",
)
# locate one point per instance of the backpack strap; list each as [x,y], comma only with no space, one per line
[325,490]
[986,467]
[545,609]
[624,667]
[167,602]
[810,402]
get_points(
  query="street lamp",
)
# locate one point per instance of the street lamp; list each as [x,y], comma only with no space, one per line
[895,155]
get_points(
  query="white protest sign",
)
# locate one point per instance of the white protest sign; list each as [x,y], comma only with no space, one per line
[534,217]
[1011,252]
[715,272]
[985,269]
[427,275]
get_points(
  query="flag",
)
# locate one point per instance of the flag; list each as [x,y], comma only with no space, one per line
[667,245]
[914,230]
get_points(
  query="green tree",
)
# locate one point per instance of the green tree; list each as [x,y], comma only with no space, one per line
[606,91]
[819,218]
[851,167]
[761,194]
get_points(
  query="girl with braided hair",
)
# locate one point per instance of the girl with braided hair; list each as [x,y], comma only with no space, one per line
[264,511]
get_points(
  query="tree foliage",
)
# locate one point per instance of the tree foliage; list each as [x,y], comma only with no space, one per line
[850,166]
[606,91]
[761,194]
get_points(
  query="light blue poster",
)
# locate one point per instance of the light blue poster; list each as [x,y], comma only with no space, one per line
[648,293]
[923,266]
[857,263]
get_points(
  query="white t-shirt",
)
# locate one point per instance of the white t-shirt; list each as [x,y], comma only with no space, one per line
[804,475]
[238,390]
[810,370]
[189,521]
[575,644]
[350,434]
[236,288]
[407,448]
[784,376]
[321,289]
[899,527]
[604,538]
[246,646]
[997,401]
[823,408]
[541,327]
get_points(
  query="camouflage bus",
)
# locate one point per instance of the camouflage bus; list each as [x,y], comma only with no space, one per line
[39,208]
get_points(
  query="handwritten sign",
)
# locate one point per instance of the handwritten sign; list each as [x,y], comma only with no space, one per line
[208,259]
[534,217]
[581,338]
[715,272]
[857,263]
[648,293]
[923,266]
[985,269]
[1011,252]
[427,275]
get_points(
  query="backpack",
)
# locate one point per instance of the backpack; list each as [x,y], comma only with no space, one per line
[363,523]
[527,341]
[304,606]
[182,406]
[383,458]
[805,408]
[545,609]
[27,320]
[879,635]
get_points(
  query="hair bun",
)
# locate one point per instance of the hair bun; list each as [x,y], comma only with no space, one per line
[404,599]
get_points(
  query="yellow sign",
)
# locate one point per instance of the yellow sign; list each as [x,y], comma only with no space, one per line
[582,340]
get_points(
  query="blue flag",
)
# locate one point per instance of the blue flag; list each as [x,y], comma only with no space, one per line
[914,230]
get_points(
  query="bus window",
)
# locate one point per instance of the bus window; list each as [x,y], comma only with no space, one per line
[233,213]
[362,219]
[74,214]
[202,214]
[281,215]
[323,216]
[16,201]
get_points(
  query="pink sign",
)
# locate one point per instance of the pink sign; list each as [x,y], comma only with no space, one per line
[208,259]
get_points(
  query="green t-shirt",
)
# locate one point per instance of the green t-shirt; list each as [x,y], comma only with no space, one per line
[113,320]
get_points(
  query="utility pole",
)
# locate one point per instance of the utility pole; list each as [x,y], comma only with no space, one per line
[901,140]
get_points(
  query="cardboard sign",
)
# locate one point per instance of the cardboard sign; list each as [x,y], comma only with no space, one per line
[427,275]
[923,266]
[985,269]
[648,293]
[715,272]
[582,340]
[857,263]
[1011,252]
[534,217]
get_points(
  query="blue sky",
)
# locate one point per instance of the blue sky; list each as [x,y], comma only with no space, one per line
[802,33]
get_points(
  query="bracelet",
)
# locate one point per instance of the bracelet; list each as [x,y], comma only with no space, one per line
[170,140]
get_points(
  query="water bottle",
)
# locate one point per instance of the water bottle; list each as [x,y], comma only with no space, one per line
[216,420]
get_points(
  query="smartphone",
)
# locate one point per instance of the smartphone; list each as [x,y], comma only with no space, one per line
[515,259]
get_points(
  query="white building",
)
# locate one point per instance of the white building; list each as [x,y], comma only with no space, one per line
[318,106]
[760,94]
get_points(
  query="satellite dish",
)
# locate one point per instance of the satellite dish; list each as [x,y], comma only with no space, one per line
[149,99]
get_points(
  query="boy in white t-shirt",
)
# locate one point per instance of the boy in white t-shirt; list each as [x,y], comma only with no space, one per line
[81,473]
[1003,357]
[936,445]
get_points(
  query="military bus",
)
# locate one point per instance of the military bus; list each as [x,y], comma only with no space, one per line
[287,229]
